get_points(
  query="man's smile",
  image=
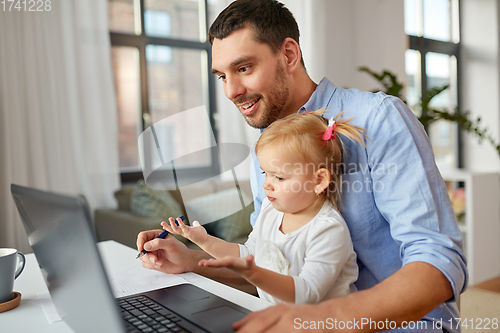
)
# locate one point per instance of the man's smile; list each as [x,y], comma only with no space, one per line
[248,107]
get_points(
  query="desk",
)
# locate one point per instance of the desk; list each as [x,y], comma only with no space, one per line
[28,317]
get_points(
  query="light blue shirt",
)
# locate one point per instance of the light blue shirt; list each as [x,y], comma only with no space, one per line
[394,199]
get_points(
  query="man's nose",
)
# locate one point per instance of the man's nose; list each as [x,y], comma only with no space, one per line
[233,87]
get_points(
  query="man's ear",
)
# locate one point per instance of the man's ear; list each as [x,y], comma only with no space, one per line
[292,54]
[321,180]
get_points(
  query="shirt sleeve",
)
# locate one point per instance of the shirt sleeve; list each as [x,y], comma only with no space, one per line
[329,249]
[410,193]
[257,184]
[249,246]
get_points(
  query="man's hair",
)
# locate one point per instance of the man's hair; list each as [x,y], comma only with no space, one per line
[270,20]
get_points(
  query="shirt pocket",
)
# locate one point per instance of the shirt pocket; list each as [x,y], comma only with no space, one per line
[358,203]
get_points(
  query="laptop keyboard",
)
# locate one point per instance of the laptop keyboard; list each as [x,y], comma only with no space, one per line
[143,315]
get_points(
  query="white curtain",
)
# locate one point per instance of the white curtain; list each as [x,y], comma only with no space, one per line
[311,20]
[231,125]
[58,126]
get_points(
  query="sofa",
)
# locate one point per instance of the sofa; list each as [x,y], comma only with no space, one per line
[141,208]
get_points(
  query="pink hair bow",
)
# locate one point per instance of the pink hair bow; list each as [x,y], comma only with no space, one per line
[329,133]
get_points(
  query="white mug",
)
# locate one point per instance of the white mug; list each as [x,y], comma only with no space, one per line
[10,269]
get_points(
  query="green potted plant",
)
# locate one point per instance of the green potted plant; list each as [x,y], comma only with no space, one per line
[429,115]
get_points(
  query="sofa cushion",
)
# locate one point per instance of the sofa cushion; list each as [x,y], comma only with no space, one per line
[157,204]
[123,197]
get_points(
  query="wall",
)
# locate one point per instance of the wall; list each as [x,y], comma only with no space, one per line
[364,33]
[480,81]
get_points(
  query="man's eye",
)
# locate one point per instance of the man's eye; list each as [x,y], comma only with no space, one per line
[279,178]
[244,69]
[221,77]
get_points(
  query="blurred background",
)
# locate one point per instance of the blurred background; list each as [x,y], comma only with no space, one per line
[80,80]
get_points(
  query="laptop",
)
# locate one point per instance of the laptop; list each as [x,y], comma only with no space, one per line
[60,232]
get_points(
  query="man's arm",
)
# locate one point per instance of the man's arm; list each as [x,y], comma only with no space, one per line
[412,197]
[407,295]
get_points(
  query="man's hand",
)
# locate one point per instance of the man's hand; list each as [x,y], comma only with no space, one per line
[167,255]
[284,318]
[243,266]
[171,256]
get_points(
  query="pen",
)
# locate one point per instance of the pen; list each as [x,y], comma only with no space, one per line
[162,235]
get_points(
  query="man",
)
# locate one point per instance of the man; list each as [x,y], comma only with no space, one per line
[394,200]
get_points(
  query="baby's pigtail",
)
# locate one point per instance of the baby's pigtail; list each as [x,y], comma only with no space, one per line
[331,138]
[350,131]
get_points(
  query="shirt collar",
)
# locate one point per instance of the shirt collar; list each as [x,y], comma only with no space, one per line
[319,99]
[321,96]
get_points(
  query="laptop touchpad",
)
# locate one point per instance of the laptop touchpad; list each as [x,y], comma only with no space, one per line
[188,292]
[216,320]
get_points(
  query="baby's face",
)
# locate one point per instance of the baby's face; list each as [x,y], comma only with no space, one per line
[289,182]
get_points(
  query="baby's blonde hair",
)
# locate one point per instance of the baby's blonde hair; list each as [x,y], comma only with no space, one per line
[302,134]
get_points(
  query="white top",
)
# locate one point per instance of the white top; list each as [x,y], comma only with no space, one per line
[319,255]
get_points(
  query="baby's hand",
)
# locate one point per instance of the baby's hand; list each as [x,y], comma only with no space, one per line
[196,234]
[243,266]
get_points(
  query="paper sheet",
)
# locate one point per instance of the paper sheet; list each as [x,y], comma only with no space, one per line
[137,279]
[190,277]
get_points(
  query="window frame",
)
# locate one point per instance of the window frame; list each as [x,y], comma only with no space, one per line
[426,45]
[140,42]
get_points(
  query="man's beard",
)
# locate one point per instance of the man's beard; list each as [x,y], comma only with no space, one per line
[274,106]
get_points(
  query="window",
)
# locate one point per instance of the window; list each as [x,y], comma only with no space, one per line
[161,62]
[432,61]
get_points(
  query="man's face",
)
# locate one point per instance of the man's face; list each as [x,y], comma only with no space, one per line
[254,77]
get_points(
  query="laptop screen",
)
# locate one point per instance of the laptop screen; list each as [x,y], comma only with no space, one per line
[59,230]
